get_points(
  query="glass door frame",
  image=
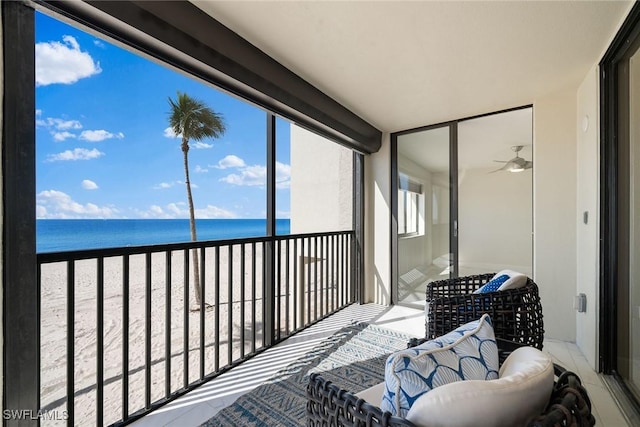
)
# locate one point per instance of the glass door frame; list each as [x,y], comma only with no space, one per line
[614,204]
[453,192]
[453,197]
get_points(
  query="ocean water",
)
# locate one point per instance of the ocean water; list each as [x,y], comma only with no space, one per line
[53,235]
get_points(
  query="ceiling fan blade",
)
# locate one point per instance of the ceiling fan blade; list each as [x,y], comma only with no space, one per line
[528,165]
[506,166]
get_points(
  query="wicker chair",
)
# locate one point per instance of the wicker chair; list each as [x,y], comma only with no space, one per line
[516,314]
[328,405]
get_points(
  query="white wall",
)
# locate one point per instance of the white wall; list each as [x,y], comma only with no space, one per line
[555,214]
[321,184]
[587,235]
[416,251]
[377,225]
[495,220]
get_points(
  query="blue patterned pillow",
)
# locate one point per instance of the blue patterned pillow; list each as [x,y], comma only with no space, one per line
[468,353]
[492,285]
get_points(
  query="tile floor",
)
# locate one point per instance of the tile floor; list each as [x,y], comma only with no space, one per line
[201,404]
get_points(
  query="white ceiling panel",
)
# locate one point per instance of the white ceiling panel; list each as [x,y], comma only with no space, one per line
[403,64]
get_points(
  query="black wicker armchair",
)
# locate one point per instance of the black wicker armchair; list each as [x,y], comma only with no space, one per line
[516,317]
[328,405]
[516,314]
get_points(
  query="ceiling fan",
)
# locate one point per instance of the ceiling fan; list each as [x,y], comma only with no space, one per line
[517,164]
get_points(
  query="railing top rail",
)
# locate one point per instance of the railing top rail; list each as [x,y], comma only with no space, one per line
[49,257]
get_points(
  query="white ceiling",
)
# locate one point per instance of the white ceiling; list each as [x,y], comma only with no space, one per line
[404,64]
[481,141]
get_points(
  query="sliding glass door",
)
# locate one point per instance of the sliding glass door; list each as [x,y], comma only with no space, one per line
[463,200]
[495,193]
[423,211]
[619,339]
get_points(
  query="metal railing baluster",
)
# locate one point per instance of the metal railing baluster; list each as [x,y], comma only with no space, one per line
[125,337]
[242,298]
[147,333]
[216,329]
[202,309]
[100,342]
[185,325]
[71,270]
[167,330]
[230,307]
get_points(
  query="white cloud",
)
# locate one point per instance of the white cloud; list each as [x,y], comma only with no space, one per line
[230,161]
[99,135]
[56,204]
[200,169]
[38,112]
[169,133]
[180,210]
[99,43]
[54,123]
[75,154]
[257,175]
[214,212]
[87,184]
[61,136]
[198,145]
[165,185]
[63,62]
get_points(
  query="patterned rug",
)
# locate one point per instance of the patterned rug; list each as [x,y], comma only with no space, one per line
[353,358]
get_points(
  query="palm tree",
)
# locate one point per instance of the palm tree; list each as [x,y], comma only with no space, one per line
[194,120]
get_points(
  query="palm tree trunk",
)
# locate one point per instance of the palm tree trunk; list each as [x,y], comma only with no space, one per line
[192,223]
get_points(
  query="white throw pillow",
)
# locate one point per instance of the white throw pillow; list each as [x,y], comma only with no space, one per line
[520,394]
[469,352]
[513,280]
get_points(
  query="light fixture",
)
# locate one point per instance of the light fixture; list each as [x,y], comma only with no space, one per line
[516,164]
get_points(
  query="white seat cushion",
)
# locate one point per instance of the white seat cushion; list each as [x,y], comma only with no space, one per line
[372,395]
[520,394]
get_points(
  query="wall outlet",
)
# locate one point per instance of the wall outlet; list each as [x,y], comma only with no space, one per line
[580,303]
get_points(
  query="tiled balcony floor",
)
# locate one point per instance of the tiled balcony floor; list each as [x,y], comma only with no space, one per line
[203,403]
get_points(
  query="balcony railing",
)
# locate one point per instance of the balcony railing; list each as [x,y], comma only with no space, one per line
[121,332]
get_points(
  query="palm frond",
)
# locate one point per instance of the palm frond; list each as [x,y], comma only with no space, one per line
[194,119]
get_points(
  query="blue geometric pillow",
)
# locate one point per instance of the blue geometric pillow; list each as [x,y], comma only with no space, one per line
[492,285]
[468,353]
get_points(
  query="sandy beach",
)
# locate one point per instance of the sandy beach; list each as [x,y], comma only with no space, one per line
[54,331]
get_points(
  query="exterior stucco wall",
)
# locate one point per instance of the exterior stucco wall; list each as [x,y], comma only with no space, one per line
[321,184]
[377,225]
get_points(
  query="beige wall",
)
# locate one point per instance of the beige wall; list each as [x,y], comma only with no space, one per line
[555,214]
[587,235]
[377,225]
[495,213]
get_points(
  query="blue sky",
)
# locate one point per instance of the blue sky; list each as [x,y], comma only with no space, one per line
[104,150]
